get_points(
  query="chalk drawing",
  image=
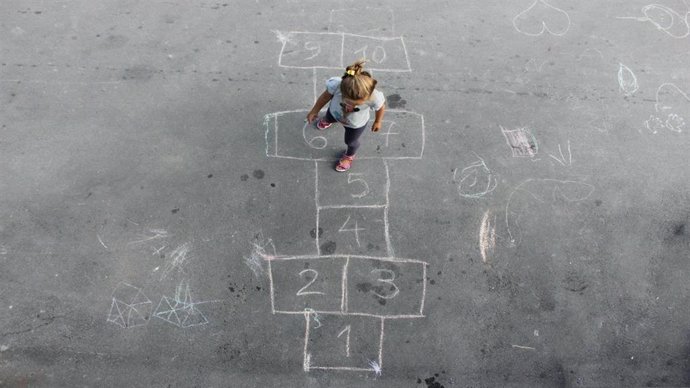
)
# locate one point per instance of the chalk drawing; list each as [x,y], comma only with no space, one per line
[542,17]
[129,307]
[569,191]
[315,316]
[523,347]
[475,180]
[521,141]
[665,20]
[262,248]
[181,310]
[157,234]
[487,236]
[327,50]
[627,80]
[562,159]
[666,112]
[375,367]
[100,240]
[412,290]
[178,258]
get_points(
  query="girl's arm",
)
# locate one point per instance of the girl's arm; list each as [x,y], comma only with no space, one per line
[320,103]
[379,119]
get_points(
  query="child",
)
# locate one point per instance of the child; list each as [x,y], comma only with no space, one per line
[349,99]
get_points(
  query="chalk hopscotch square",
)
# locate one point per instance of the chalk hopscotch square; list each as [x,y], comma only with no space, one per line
[402,136]
[129,307]
[382,54]
[288,136]
[343,343]
[386,288]
[353,231]
[307,284]
[308,50]
[521,141]
[366,186]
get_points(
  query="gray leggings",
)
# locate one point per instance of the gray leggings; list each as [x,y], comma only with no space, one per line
[351,135]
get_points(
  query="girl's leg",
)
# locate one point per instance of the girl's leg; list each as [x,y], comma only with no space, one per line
[352,139]
[328,117]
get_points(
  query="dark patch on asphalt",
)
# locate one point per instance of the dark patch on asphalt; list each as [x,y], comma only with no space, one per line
[395,101]
[679,230]
[313,233]
[575,282]
[328,248]
[432,383]
[258,174]
[244,177]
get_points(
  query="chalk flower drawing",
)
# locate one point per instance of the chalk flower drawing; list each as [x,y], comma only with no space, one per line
[627,80]
[672,96]
[542,17]
[665,20]
[475,180]
[307,51]
[129,307]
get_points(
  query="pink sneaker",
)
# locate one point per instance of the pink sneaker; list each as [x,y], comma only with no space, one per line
[323,124]
[345,163]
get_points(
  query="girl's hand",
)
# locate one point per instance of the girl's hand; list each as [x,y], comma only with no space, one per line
[376,126]
[311,117]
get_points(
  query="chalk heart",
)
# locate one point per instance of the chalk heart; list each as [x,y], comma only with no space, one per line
[542,17]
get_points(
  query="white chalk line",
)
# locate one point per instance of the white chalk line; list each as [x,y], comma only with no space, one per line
[523,347]
[344,301]
[421,305]
[386,224]
[100,240]
[272,288]
[562,160]
[349,314]
[352,207]
[487,236]
[343,256]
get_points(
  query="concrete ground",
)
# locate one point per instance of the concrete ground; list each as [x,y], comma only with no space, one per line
[167,219]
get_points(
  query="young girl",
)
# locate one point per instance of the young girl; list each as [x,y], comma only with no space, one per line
[350,97]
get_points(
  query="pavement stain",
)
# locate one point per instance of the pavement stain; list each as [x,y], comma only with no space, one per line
[258,174]
[313,233]
[395,101]
[328,248]
[431,382]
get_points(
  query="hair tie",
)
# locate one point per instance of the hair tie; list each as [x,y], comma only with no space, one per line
[350,72]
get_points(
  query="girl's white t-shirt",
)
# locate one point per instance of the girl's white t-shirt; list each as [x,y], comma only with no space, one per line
[352,119]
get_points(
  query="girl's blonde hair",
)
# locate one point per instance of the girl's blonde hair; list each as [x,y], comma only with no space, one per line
[357,84]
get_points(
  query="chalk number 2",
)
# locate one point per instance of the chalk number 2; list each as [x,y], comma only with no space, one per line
[303,291]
